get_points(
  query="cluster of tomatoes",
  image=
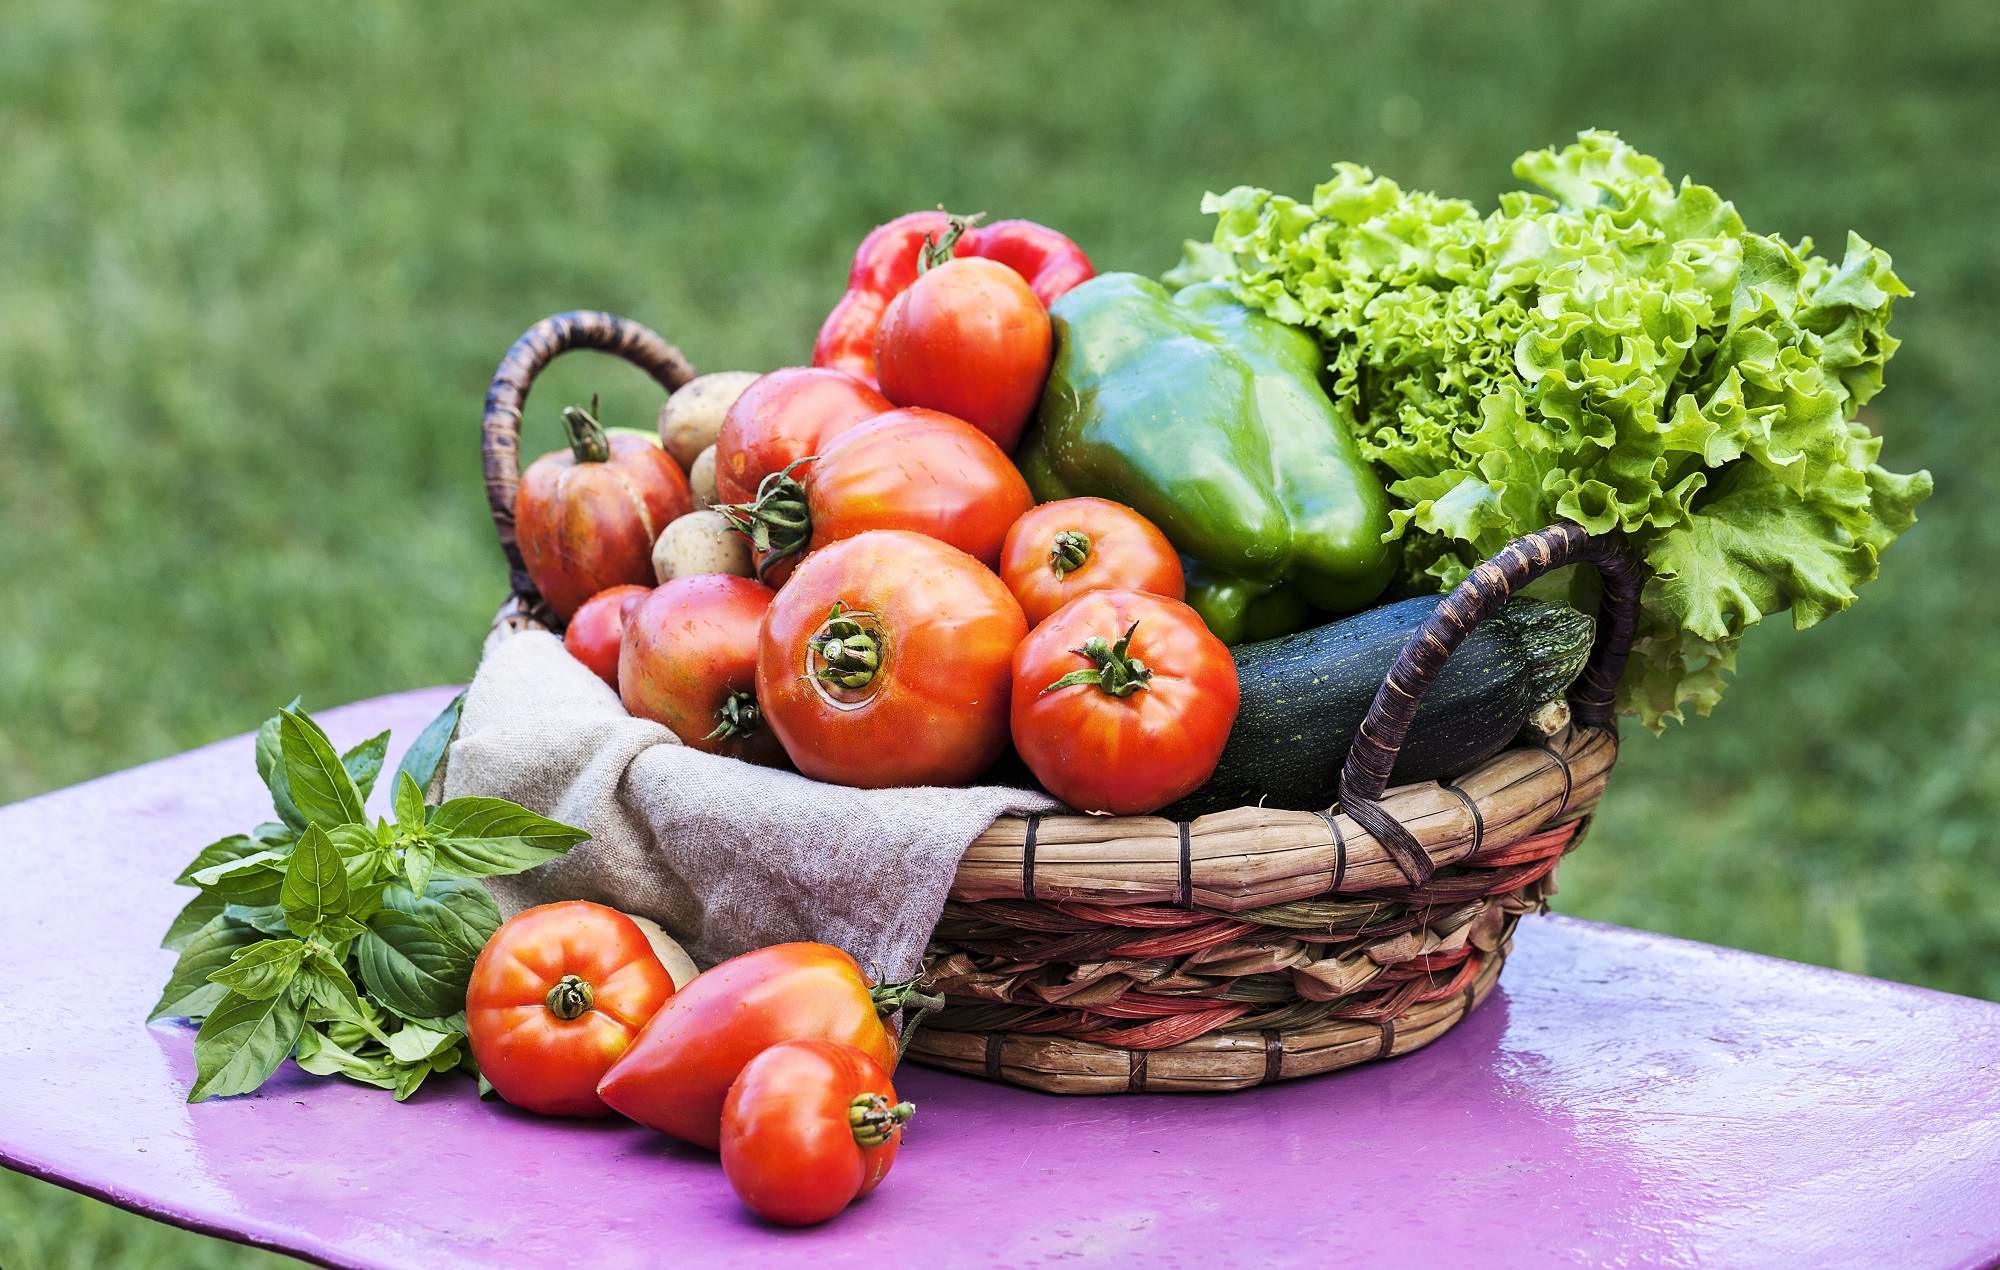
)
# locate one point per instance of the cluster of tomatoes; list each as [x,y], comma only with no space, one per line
[903,610]
[778,1059]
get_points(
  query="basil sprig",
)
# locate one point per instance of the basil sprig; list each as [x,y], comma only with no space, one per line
[344,944]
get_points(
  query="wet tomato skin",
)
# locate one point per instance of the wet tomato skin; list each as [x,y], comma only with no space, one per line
[688,647]
[1120,550]
[968,338]
[595,633]
[788,1147]
[783,417]
[584,527]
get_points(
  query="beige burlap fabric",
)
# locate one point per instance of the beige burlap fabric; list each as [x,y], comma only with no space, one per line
[726,856]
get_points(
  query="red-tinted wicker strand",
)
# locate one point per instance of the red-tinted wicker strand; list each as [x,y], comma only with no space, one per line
[500,429]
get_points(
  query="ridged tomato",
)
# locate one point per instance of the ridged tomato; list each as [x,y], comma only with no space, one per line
[1060,550]
[886,660]
[689,661]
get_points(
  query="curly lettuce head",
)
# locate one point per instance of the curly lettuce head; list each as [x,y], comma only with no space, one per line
[1617,352]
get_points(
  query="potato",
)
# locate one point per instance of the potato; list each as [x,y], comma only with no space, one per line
[692,416]
[697,543]
[701,479]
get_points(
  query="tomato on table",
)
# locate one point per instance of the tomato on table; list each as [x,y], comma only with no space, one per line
[677,1074]
[808,1128]
[556,996]
[1060,550]
[886,661]
[585,518]
[595,633]
[1122,701]
[781,418]
[689,661]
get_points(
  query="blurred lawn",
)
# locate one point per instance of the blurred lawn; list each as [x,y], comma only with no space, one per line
[258,261]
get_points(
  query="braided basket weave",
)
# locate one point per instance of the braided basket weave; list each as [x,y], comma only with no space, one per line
[1100,954]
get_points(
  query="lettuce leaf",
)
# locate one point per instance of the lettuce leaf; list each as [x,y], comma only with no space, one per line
[1618,352]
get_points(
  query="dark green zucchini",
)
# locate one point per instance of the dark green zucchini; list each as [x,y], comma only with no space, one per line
[1304,696]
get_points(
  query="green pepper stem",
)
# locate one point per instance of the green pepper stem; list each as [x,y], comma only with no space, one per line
[936,252]
[737,716]
[587,440]
[778,522]
[1116,671]
[569,998]
[873,1121]
[1069,552]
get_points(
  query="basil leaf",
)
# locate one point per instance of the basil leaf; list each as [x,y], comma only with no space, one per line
[268,918]
[271,768]
[320,786]
[242,1042]
[272,834]
[222,851]
[329,988]
[420,761]
[264,969]
[409,1077]
[255,879]
[315,887]
[321,1056]
[414,1043]
[410,810]
[201,910]
[411,967]
[488,837]
[189,993]
[364,763]
[419,859]
[461,910]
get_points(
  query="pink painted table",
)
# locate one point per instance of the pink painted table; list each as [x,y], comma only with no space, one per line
[1624,1099]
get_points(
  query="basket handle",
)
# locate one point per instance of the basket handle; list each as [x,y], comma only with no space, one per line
[1484,592]
[500,430]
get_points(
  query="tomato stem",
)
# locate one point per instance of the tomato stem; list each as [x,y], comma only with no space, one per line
[1069,552]
[738,715]
[777,522]
[587,440]
[569,998]
[852,652]
[936,251]
[1116,671]
[873,1121]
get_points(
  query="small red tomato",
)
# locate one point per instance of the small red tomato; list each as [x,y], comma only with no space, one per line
[689,661]
[809,1127]
[598,628]
[1060,550]
[585,518]
[886,661]
[781,418]
[677,1074]
[557,995]
[1122,701]
[968,338]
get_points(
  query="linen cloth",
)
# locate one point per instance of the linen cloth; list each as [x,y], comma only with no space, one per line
[726,856]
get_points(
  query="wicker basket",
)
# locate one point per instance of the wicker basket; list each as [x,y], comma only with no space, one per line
[1097,954]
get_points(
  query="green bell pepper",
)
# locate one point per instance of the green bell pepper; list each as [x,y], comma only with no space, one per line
[1209,420]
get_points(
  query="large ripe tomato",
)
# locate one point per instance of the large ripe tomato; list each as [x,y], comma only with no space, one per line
[585,518]
[917,470]
[886,660]
[1060,550]
[783,417]
[595,633]
[968,338]
[808,1128]
[677,1074]
[689,661]
[556,996]
[1122,701]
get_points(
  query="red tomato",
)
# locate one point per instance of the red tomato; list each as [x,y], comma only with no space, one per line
[968,338]
[678,1072]
[556,996]
[690,661]
[808,1128]
[598,628]
[585,518]
[781,418]
[1122,701]
[886,661]
[1060,550]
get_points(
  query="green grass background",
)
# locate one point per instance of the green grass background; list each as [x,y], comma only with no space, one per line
[258,261]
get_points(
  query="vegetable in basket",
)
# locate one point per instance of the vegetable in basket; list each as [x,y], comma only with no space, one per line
[701,542]
[1122,701]
[886,264]
[677,1074]
[556,996]
[808,1128]
[690,662]
[1058,551]
[1618,353]
[691,418]
[783,417]
[586,516]
[593,636]
[887,660]
[1208,419]
[913,469]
